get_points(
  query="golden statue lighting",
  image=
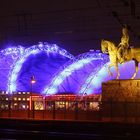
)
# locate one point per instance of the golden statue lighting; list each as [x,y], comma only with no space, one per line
[123,45]
[110,48]
[121,53]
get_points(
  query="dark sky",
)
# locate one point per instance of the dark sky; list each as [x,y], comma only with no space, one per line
[76,25]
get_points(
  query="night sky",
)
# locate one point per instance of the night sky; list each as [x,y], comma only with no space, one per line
[75,25]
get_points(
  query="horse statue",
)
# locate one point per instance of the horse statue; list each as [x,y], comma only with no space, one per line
[110,48]
[119,55]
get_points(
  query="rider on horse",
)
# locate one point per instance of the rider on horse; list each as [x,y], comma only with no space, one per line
[123,45]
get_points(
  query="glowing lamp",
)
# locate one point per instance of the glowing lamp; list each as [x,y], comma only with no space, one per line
[33,79]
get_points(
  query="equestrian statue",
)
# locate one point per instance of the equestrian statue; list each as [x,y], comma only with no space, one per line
[121,53]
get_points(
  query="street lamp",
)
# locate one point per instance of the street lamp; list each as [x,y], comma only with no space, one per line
[33,81]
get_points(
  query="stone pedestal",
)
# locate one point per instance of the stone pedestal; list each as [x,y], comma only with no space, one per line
[121,100]
[121,90]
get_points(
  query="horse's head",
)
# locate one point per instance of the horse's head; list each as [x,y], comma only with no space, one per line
[104,46]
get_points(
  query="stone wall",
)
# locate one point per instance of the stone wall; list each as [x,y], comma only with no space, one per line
[121,101]
[121,90]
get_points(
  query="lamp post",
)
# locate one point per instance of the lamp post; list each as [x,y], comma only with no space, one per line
[33,81]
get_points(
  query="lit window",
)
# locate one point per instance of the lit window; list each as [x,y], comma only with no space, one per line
[19,99]
[6,99]
[15,98]
[23,99]
[6,92]
[15,104]
[28,99]
[28,92]
[19,92]
[23,106]
[24,92]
